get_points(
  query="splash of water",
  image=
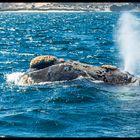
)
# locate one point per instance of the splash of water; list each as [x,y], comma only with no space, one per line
[13,78]
[128,40]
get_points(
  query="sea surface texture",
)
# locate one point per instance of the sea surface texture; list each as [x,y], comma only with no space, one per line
[77,108]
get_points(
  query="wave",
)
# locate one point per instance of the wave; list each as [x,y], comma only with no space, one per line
[8,62]
[16,53]
[10,29]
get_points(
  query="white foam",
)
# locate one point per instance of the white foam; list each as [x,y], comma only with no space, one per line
[13,77]
[8,62]
[16,53]
[4,52]
[97,81]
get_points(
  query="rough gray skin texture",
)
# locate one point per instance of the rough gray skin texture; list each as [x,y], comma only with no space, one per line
[70,70]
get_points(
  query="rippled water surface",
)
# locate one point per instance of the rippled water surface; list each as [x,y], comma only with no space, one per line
[78,108]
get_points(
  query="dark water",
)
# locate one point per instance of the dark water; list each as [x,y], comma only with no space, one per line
[79,108]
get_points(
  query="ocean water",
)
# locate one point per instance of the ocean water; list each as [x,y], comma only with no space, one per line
[77,108]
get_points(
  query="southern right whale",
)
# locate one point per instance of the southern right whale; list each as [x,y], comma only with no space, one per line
[68,70]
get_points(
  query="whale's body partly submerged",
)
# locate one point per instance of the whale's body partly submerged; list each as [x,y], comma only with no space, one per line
[70,70]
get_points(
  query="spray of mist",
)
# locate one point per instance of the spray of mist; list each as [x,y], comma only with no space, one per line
[128,40]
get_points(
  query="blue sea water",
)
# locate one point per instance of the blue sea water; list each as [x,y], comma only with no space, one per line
[78,108]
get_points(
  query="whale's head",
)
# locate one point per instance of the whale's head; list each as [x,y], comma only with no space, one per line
[44,61]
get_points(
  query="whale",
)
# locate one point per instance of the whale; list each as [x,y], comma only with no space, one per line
[69,70]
